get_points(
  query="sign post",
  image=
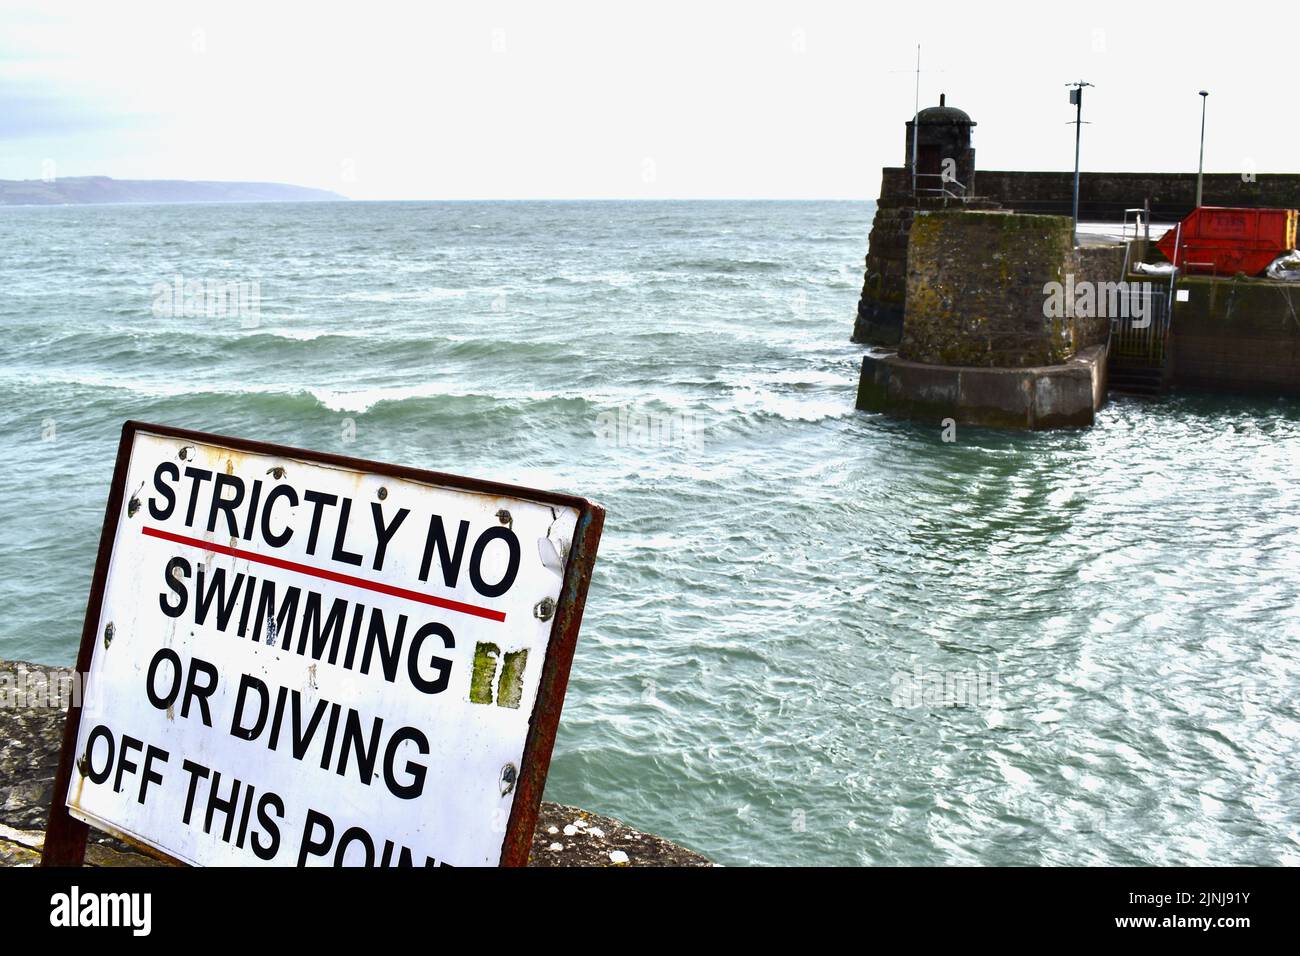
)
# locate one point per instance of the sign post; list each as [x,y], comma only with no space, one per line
[296,658]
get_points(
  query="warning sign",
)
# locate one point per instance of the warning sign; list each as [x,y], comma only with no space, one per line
[293,658]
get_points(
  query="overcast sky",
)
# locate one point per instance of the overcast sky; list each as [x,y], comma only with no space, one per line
[607,99]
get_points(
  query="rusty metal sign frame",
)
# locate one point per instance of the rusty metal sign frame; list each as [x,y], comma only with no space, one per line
[66,836]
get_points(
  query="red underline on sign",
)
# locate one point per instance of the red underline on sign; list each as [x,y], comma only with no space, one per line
[335,576]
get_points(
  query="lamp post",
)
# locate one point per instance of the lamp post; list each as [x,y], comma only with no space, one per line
[1200,167]
[1076,100]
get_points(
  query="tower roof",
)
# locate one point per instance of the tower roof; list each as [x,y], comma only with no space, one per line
[943,115]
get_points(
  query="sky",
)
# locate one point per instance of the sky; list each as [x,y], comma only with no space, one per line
[700,99]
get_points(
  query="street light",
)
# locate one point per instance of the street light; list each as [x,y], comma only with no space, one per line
[1076,100]
[1200,168]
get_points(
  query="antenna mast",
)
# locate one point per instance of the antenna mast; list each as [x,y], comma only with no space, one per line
[916,112]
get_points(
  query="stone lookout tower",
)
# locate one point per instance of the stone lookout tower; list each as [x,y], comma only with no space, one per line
[945,177]
[943,145]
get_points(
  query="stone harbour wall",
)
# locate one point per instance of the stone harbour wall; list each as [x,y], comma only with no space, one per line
[884,285]
[1103,197]
[1096,264]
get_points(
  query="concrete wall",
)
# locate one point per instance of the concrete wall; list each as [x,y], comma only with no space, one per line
[1237,336]
[1055,396]
[975,290]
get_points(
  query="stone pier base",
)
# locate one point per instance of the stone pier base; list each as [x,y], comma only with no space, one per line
[1045,396]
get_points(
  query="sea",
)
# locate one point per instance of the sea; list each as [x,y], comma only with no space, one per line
[814,635]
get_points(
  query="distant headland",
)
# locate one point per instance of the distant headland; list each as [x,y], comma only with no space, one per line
[82,190]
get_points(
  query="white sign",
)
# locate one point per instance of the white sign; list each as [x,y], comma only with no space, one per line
[301,663]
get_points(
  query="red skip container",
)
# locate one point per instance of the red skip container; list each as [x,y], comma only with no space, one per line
[1226,241]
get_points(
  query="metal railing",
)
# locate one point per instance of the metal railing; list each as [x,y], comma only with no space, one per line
[1138,222]
[1142,340]
[942,189]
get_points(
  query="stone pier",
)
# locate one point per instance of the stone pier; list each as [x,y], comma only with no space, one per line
[977,344]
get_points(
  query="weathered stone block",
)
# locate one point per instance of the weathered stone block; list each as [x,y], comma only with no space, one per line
[975,289]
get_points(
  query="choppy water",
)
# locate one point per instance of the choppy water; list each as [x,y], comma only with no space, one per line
[773,576]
